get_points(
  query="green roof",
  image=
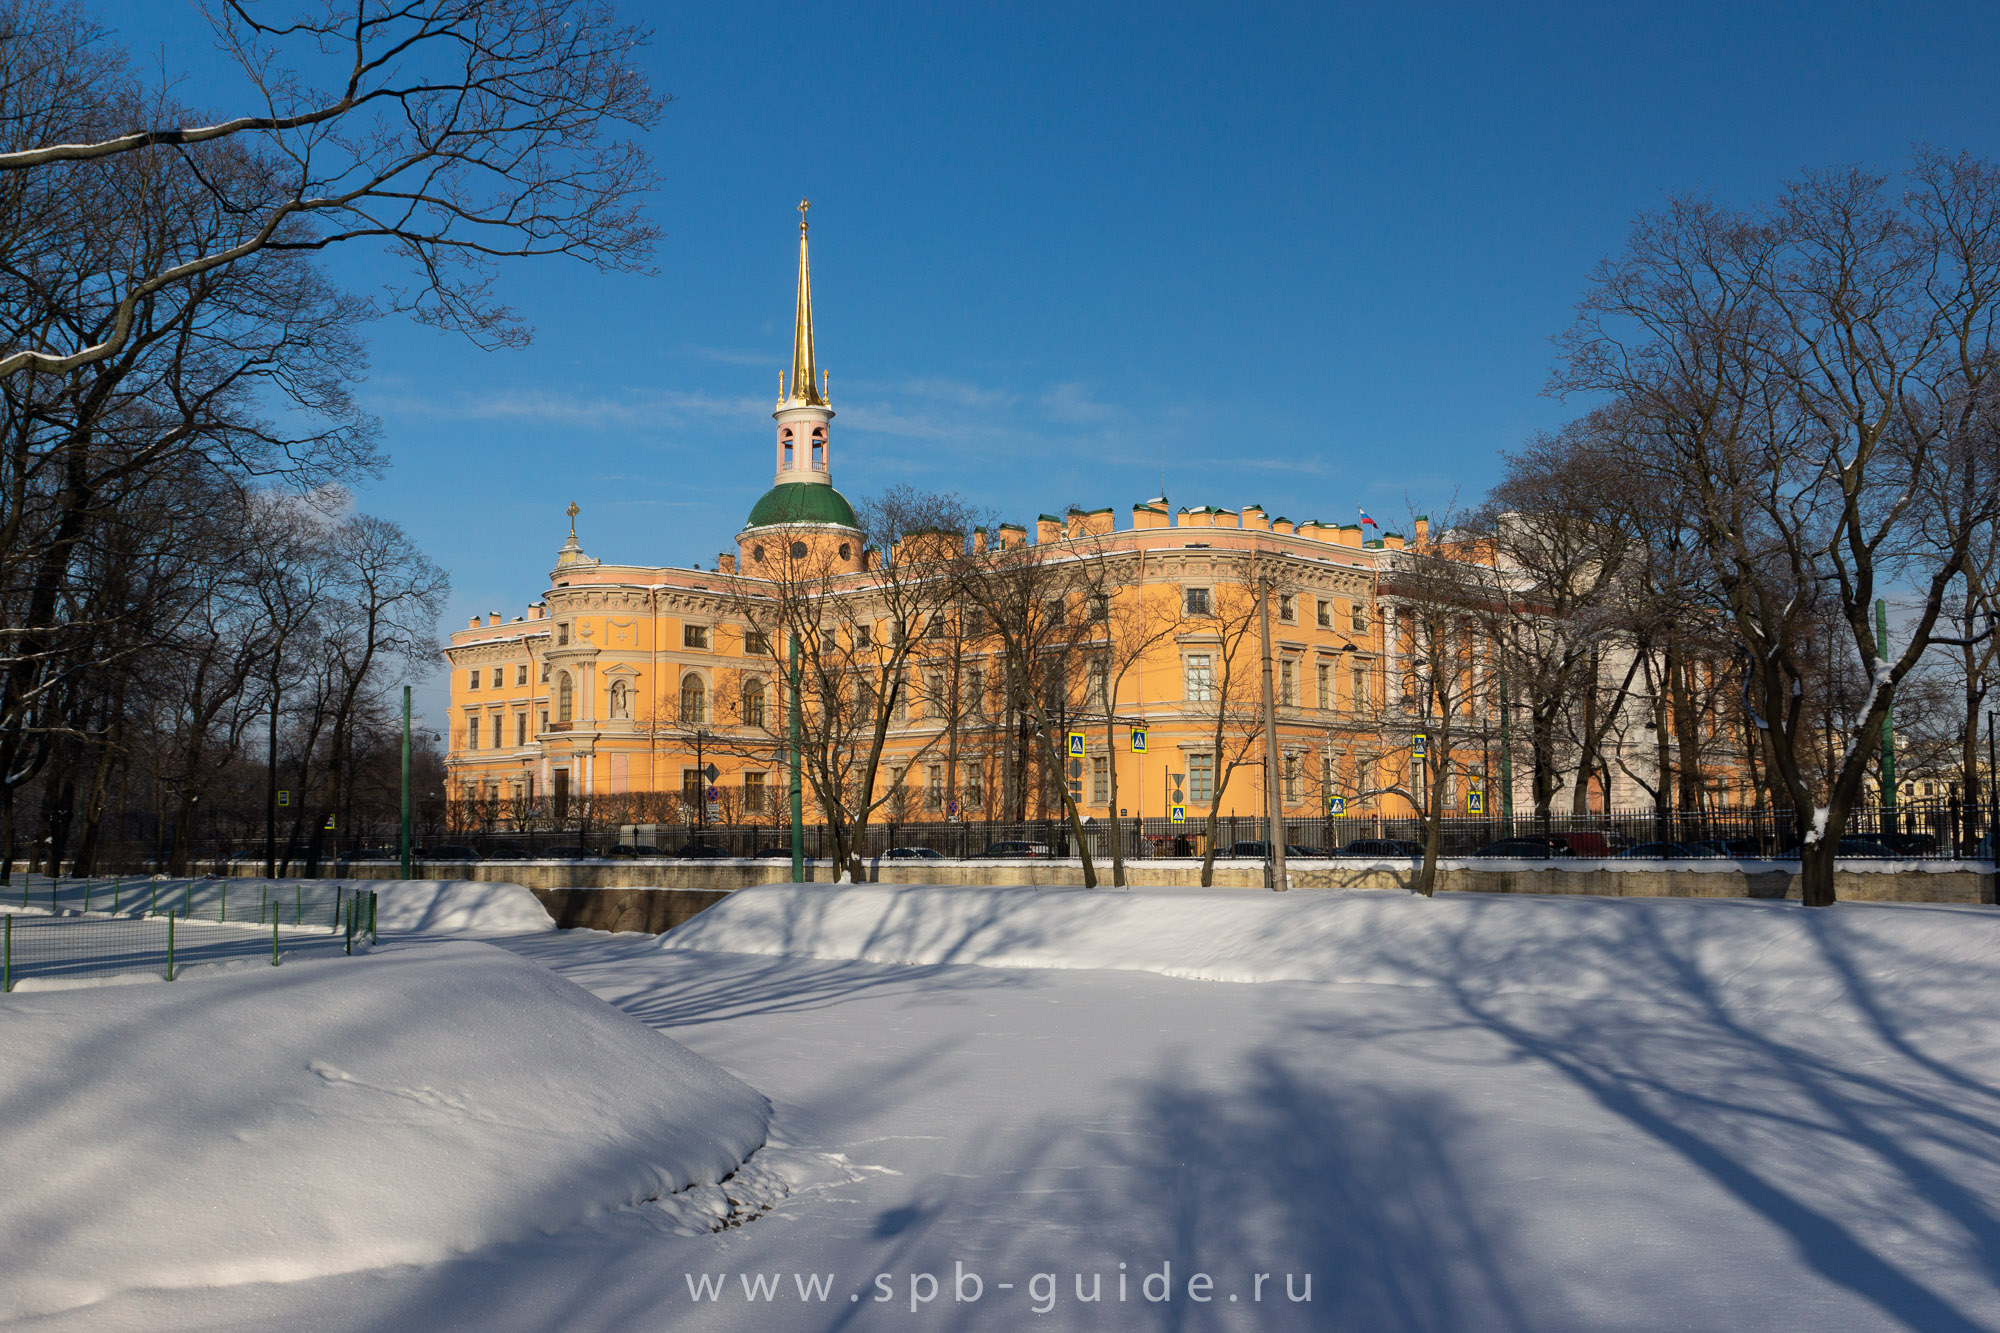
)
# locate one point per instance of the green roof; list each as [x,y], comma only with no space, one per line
[802,502]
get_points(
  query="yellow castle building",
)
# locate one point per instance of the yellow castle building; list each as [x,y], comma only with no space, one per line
[622,679]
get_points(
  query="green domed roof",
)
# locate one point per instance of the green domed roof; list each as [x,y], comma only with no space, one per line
[802,502]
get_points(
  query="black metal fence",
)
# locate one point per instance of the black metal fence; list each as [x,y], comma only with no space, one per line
[1920,830]
[69,931]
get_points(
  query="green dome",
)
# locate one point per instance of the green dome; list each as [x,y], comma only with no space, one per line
[802,502]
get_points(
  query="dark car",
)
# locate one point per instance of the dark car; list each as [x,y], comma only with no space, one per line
[1907,844]
[1016,849]
[777,852]
[1530,847]
[913,854]
[1742,848]
[451,852]
[1669,851]
[354,854]
[700,851]
[1382,847]
[506,854]
[1865,846]
[563,852]
[1258,851]
[626,851]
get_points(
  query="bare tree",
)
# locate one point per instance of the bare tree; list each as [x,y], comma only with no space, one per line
[1439,585]
[1221,685]
[1125,627]
[451,132]
[1035,604]
[1807,374]
[863,640]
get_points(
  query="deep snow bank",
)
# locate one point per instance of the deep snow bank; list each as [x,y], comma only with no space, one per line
[283,1123]
[1774,951]
[454,906]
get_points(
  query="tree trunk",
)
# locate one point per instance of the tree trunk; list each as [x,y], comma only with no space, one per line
[1816,863]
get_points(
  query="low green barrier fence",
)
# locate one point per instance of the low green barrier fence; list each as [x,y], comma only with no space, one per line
[107,929]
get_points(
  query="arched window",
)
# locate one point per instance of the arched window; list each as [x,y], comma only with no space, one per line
[621,699]
[562,697]
[753,702]
[788,449]
[693,700]
[819,450]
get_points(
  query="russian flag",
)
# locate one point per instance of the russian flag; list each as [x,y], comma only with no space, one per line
[1369,521]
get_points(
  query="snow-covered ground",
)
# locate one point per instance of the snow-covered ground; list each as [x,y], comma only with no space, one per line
[1463,1114]
[270,1125]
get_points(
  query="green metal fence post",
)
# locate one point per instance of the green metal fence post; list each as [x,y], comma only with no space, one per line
[170,946]
[350,926]
[86,895]
[7,967]
[372,895]
[338,892]
[274,939]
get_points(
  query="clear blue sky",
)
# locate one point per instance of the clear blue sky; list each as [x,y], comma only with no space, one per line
[1309,256]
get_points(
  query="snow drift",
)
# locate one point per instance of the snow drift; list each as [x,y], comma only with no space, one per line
[455,906]
[1573,946]
[285,1123]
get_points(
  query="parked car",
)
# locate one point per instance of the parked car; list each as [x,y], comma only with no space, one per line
[1738,848]
[506,854]
[1382,847]
[1592,842]
[563,852]
[1906,844]
[1858,845]
[1258,851]
[1528,847]
[701,851]
[1668,851]
[1016,849]
[777,852]
[353,854]
[913,854]
[626,851]
[451,852]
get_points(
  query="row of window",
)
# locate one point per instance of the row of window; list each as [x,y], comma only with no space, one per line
[1196,602]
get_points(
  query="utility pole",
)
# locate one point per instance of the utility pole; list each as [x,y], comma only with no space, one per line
[1274,826]
[798,797]
[271,783]
[1888,718]
[406,782]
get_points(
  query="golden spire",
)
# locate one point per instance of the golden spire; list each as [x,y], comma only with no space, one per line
[805,377]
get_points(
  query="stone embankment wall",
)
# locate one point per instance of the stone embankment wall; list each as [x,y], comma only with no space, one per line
[658,895]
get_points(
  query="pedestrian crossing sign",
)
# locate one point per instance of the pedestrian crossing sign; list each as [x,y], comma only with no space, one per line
[1138,740]
[1337,805]
[1076,745]
[1475,803]
[1178,814]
